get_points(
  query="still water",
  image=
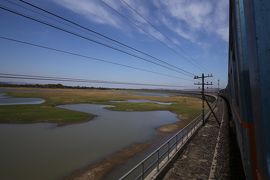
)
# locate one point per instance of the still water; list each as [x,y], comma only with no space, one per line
[7,100]
[149,93]
[46,151]
[144,101]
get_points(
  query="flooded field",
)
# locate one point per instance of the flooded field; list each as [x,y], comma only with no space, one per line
[144,101]
[53,133]
[7,100]
[46,151]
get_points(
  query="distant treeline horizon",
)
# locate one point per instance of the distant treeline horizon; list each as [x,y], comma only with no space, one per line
[58,85]
[61,86]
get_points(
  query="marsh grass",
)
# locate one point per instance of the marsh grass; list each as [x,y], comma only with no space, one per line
[187,107]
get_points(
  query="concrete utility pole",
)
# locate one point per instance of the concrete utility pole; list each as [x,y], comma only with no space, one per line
[203,96]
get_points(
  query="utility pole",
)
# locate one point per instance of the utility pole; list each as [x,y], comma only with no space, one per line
[203,96]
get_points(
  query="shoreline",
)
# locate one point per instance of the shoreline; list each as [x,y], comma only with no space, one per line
[104,166]
[174,127]
[101,168]
[48,111]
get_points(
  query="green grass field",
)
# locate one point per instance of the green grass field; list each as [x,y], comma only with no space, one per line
[40,113]
[187,107]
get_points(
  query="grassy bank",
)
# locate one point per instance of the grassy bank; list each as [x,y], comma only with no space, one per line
[40,113]
[187,107]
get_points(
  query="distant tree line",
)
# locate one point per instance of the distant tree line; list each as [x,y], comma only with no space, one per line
[60,86]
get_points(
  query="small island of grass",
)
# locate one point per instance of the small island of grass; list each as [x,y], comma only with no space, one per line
[41,113]
[187,107]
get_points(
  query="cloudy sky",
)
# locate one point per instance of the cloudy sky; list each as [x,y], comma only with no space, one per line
[189,34]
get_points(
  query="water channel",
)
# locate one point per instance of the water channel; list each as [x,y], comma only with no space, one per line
[7,100]
[47,151]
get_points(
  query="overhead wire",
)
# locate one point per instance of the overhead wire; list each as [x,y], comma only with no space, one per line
[139,27]
[61,79]
[94,41]
[189,58]
[88,57]
[63,22]
[104,36]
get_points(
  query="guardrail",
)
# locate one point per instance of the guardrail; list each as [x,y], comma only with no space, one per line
[153,163]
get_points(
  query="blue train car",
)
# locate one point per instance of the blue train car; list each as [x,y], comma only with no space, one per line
[248,89]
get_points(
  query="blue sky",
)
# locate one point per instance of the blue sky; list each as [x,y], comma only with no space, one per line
[197,30]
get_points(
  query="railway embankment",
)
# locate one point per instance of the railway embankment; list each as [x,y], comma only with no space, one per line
[207,156]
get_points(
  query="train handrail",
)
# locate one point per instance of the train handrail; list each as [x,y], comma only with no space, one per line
[186,133]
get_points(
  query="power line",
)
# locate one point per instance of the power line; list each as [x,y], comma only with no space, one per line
[190,59]
[89,39]
[104,36]
[87,57]
[80,26]
[131,21]
[139,27]
[49,78]
[62,22]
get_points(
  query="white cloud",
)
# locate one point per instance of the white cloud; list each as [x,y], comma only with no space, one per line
[177,28]
[186,34]
[189,19]
[92,10]
[194,13]
[223,32]
[139,6]
[156,34]
[221,19]
[196,17]
[98,12]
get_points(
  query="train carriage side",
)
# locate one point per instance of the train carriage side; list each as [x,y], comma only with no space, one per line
[248,83]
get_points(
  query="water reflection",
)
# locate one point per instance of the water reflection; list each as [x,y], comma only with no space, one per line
[144,101]
[7,100]
[45,151]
